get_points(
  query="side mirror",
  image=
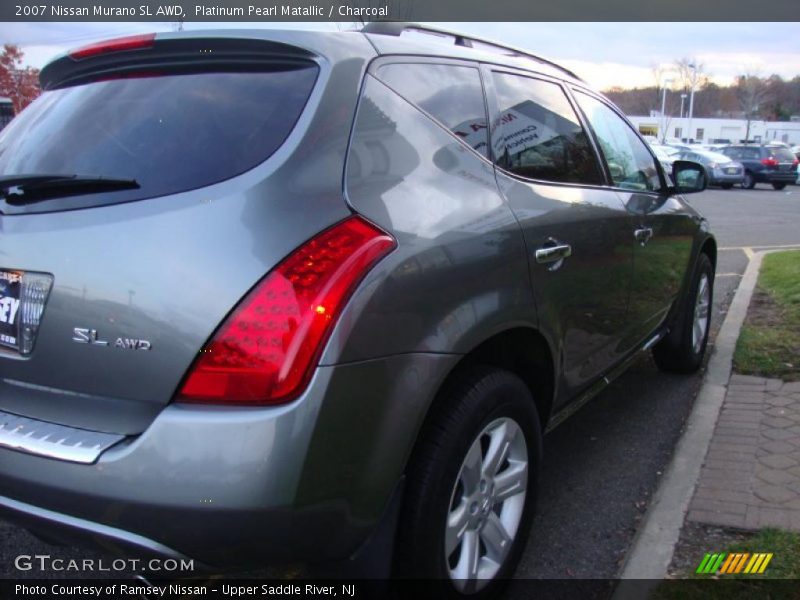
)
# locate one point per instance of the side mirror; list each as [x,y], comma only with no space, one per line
[689,177]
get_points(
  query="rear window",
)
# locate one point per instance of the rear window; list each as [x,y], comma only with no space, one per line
[171,133]
[782,154]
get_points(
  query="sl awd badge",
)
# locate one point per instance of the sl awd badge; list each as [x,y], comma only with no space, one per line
[90,336]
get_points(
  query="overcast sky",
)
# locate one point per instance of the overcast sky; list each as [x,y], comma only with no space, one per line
[605,54]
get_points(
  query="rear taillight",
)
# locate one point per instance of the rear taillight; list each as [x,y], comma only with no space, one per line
[769,162]
[795,162]
[266,350]
[123,44]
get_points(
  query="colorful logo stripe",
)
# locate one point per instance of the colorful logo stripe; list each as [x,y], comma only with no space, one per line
[711,563]
[735,562]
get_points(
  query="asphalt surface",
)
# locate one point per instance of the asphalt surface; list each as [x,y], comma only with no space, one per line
[603,465]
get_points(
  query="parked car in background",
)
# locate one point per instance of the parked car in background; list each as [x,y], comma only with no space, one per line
[720,169]
[666,155]
[775,165]
[301,305]
[712,147]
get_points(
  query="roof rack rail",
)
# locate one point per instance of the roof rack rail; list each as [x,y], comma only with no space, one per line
[396,28]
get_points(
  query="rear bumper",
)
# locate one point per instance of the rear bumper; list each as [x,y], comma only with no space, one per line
[776,176]
[717,178]
[303,482]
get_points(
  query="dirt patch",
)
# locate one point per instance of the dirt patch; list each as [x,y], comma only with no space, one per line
[764,311]
[697,539]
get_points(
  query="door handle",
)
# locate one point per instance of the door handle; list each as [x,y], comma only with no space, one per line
[553,253]
[643,235]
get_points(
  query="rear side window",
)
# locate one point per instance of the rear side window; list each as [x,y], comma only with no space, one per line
[630,163]
[537,134]
[450,94]
[171,133]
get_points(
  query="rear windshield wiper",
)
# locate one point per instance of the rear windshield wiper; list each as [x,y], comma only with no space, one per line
[21,189]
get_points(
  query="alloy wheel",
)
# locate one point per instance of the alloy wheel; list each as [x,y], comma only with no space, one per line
[702,310]
[486,505]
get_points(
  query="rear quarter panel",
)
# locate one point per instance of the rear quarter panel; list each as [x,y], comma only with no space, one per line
[460,272]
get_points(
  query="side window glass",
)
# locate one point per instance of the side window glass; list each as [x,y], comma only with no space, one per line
[451,94]
[629,161]
[537,134]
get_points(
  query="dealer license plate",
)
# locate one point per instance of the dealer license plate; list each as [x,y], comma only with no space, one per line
[10,284]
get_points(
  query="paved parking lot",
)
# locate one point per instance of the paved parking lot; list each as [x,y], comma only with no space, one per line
[603,465]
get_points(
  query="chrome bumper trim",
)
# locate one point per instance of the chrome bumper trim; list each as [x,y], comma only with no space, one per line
[52,440]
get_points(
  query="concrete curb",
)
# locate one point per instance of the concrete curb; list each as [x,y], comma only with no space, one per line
[655,541]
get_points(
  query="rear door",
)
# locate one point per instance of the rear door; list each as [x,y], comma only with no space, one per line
[577,232]
[662,230]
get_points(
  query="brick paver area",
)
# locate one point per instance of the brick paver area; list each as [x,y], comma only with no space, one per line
[751,475]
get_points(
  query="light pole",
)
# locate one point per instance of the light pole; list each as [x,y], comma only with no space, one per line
[693,80]
[663,108]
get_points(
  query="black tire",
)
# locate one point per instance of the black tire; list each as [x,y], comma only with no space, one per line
[677,352]
[726,186]
[462,412]
[779,186]
[749,182]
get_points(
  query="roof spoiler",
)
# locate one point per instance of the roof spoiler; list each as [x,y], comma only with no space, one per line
[151,53]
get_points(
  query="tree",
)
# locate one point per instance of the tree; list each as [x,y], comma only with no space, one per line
[20,84]
[689,72]
[752,92]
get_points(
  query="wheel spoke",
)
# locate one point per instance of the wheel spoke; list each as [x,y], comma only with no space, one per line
[697,335]
[456,525]
[501,438]
[467,567]
[511,482]
[471,470]
[495,538]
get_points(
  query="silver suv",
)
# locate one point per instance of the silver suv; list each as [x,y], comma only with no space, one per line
[271,296]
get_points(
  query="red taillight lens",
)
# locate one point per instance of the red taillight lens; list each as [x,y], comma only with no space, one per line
[267,349]
[795,162]
[132,42]
[769,162]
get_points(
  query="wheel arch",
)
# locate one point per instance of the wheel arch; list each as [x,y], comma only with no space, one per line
[521,350]
[709,248]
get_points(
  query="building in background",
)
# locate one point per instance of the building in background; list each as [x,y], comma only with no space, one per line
[710,131]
